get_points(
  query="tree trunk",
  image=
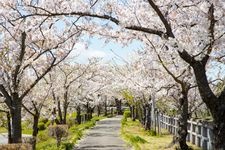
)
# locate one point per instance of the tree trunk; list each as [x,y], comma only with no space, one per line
[9,128]
[78,118]
[16,119]
[88,111]
[137,116]
[133,112]
[148,117]
[219,127]
[118,106]
[59,112]
[105,113]
[65,107]
[35,130]
[144,115]
[91,112]
[215,104]
[182,121]
[98,110]
[111,111]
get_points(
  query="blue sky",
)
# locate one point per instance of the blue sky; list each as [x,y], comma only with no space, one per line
[98,48]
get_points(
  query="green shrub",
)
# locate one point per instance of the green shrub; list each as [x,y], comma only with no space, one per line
[48,146]
[58,131]
[44,120]
[71,122]
[126,114]
[75,133]
[73,115]
[48,123]
[42,136]
[89,124]
[41,126]
[124,121]
[3,120]
[77,136]
[67,146]
[95,119]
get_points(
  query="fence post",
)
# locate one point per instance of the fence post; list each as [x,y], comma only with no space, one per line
[209,137]
[167,123]
[197,133]
[158,122]
[202,136]
[191,131]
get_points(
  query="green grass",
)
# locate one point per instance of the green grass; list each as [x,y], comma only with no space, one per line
[49,143]
[24,130]
[3,130]
[75,133]
[135,135]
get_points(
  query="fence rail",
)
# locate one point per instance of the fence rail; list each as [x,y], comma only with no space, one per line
[199,133]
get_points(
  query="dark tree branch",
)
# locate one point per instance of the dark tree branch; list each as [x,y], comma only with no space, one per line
[146,30]
[169,31]
[8,99]
[28,110]
[105,17]
[187,57]
[35,107]
[39,78]
[93,4]
[168,71]
[19,63]
[211,34]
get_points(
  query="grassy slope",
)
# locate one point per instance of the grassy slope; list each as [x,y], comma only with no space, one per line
[135,135]
[75,133]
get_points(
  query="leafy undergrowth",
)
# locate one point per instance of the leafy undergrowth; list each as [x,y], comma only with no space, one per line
[135,135]
[75,133]
[3,130]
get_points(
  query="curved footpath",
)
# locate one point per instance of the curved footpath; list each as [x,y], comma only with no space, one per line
[105,135]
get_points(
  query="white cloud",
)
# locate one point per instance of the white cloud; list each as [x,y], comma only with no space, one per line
[95,53]
[81,53]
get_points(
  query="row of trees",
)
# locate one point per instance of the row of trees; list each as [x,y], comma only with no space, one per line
[183,43]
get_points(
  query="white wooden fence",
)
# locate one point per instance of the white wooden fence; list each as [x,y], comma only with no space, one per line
[199,133]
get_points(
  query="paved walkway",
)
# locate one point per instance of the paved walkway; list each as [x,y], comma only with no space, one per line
[105,135]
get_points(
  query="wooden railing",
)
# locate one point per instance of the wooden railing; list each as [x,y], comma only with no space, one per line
[199,133]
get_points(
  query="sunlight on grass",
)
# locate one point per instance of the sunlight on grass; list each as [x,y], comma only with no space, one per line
[3,130]
[133,133]
[75,133]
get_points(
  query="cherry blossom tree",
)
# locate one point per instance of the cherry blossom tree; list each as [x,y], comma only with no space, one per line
[193,29]
[35,104]
[27,49]
[68,79]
